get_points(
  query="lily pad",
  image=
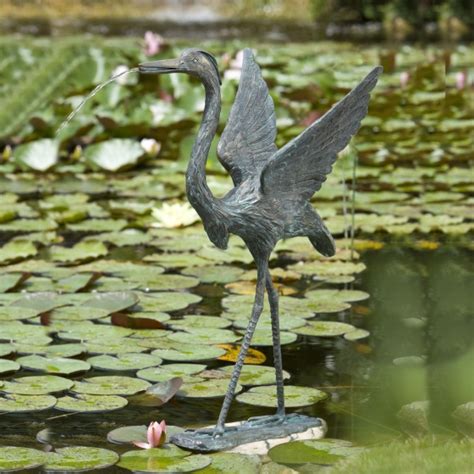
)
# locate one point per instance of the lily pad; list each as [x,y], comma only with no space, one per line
[39,155]
[324,329]
[168,301]
[169,371]
[205,336]
[341,295]
[214,273]
[263,337]
[255,375]
[167,282]
[232,463]
[98,225]
[53,365]
[112,302]
[13,403]
[16,313]
[85,250]
[37,385]
[79,459]
[159,460]
[8,366]
[110,385]
[356,335]
[78,313]
[14,459]
[200,321]
[91,403]
[206,389]
[6,350]
[124,362]
[295,396]
[189,353]
[10,281]
[114,155]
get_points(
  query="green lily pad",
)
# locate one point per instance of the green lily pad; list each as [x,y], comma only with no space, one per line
[263,337]
[167,282]
[85,250]
[53,365]
[301,452]
[39,155]
[8,366]
[205,336]
[75,282]
[114,346]
[294,396]
[83,403]
[41,302]
[9,281]
[37,385]
[327,306]
[255,374]
[168,301]
[189,353]
[214,273]
[232,463]
[110,385]
[13,403]
[56,350]
[124,362]
[169,371]
[115,154]
[112,302]
[200,322]
[124,237]
[14,459]
[98,225]
[82,332]
[129,434]
[79,459]
[335,268]
[6,350]
[16,313]
[159,460]
[207,389]
[324,329]
[356,335]
[341,295]
[78,313]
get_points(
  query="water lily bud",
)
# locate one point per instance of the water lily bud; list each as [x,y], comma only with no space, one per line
[152,43]
[404,78]
[461,80]
[7,152]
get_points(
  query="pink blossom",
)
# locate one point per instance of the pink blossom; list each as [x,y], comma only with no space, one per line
[153,43]
[461,80]
[404,78]
[155,435]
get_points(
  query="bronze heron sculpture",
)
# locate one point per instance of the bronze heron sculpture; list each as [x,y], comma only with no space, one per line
[272,187]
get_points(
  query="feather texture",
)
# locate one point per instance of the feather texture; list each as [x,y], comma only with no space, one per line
[302,165]
[248,140]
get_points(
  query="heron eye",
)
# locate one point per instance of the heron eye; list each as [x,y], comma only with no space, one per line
[195,60]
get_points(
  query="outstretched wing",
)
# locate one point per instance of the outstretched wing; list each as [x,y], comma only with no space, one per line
[301,166]
[248,140]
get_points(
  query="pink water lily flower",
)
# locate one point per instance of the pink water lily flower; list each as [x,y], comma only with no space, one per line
[155,435]
[153,43]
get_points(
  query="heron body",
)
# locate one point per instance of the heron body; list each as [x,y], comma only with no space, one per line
[272,187]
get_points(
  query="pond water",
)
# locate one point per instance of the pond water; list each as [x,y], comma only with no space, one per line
[78,214]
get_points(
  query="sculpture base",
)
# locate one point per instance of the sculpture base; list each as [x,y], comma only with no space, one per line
[250,431]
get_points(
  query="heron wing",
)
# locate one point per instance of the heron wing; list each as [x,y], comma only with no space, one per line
[302,165]
[248,140]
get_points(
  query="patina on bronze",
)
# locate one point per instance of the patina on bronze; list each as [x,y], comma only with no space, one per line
[269,202]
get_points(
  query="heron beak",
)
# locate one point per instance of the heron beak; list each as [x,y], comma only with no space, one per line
[159,67]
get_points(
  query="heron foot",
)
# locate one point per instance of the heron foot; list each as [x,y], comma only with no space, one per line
[276,419]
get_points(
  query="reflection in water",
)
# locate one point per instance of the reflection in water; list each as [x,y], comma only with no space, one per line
[422,329]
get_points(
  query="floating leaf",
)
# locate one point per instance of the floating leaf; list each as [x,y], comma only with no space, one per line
[206,389]
[13,403]
[17,250]
[124,362]
[10,281]
[194,353]
[233,463]
[324,329]
[112,302]
[85,250]
[37,385]
[169,371]
[294,396]
[114,155]
[91,403]
[356,335]
[8,366]
[200,321]
[110,385]
[80,458]
[54,365]
[205,336]
[255,374]
[160,460]
[13,458]
[214,273]
[342,295]
[39,155]
[263,337]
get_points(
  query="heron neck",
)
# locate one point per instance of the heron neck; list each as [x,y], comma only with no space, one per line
[197,190]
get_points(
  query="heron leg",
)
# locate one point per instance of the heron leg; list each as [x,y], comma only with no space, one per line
[256,312]
[277,359]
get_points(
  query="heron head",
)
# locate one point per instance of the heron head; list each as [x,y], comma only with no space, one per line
[195,62]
